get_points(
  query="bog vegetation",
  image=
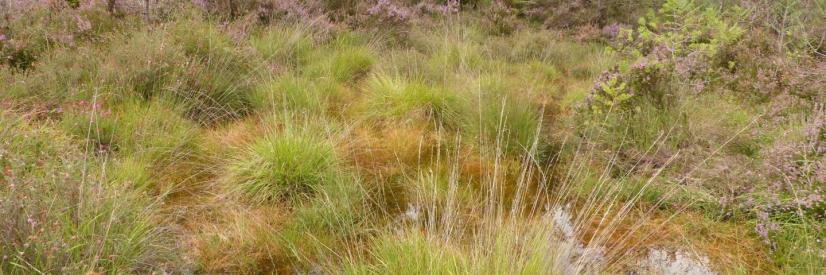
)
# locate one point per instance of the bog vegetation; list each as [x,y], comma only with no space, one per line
[412,137]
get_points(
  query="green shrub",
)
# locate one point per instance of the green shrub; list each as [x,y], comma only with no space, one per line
[282,164]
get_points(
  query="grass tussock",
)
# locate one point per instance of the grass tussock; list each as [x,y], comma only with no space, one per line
[283,163]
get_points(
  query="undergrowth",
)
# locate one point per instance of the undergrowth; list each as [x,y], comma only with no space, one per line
[391,137]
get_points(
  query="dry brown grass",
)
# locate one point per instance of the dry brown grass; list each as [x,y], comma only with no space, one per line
[729,246]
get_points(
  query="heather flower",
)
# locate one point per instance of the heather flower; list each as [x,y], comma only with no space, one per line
[83,25]
[387,11]
[200,3]
[809,201]
[452,6]
[612,30]
[31,221]
[765,226]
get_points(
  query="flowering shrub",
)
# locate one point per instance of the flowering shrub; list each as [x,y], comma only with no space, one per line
[385,11]
[678,49]
[800,166]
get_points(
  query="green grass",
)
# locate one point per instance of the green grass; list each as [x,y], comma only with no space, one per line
[393,97]
[799,245]
[144,65]
[292,93]
[411,254]
[290,45]
[346,59]
[283,164]
[498,117]
[333,219]
[152,129]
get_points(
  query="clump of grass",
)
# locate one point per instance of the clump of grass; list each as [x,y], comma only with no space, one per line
[156,130]
[575,59]
[499,118]
[215,89]
[133,172]
[200,38]
[351,64]
[281,164]
[412,253]
[453,55]
[215,86]
[61,75]
[393,97]
[293,93]
[347,61]
[144,65]
[289,45]
[333,219]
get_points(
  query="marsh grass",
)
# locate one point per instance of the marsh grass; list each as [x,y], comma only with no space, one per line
[534,227]
[393,97]
[348,57]
[200,142]
[291,45]
[292,92]
[283,163]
